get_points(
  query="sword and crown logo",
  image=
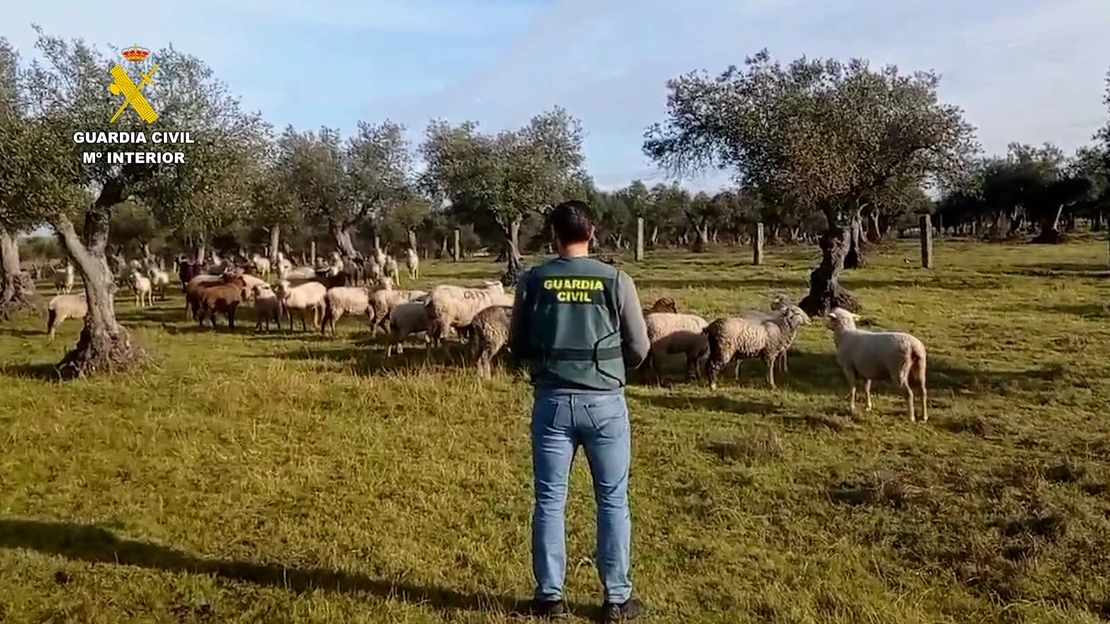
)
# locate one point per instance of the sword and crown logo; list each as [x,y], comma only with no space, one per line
[132,93]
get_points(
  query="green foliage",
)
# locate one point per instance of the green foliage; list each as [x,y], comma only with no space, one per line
[815,134]
[507,174]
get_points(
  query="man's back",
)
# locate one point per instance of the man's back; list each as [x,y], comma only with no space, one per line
[579,323]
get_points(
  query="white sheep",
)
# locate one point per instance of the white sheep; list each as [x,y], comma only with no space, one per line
[64,279]
[267,307]
[303,272]
[672,332]
[62,307]
[141,286]
[869,355]
[335,264]
[406,319]
[159,280]
[449,307]
[284,265]
[262,265]
[390,270]
[412,262]
[490,332]
[746,337]
[306,298]
[383,300]
[343,300]
[379,257]
[778,302]
[252,282]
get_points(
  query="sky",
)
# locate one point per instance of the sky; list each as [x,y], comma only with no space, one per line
[1023,70]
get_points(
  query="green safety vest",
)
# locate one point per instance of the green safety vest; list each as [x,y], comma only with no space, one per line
[574,328]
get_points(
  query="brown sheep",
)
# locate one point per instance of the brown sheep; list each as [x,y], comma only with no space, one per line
[223,299]
[197,286]
[662,304]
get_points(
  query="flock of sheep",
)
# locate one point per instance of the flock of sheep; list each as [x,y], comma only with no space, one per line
[329,291]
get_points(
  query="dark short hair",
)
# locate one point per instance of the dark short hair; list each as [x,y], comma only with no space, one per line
[571,222]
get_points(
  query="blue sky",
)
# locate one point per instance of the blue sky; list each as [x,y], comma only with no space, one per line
[1023,70]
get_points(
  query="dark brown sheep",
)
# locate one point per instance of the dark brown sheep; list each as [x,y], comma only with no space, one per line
[662,304]
[223,299]
[195,290]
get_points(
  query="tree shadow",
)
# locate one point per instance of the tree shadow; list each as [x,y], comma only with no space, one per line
[42,371]
[704,403]
[193,328]
[1093,310]
[156,315]
[850,280]
[818,373]
[370,358]
[93,544]
[22,333]
[779,283]
[1060,269]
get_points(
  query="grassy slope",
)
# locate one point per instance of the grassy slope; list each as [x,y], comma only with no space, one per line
[248,477]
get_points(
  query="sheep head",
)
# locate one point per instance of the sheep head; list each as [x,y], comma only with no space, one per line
[839,318]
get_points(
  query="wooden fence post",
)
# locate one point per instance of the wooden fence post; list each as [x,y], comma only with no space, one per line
[926,228]
[312,254]
[455,247]
[757,245]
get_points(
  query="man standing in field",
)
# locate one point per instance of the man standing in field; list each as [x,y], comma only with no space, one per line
[578,323]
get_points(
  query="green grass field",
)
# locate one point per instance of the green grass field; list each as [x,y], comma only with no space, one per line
[269,478]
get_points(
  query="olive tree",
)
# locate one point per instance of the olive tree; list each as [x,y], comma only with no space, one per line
[69,93]
[342,183]
[506,175]
[817,134]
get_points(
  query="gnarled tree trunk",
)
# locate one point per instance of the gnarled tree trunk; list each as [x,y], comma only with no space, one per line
[341,232]
[275,246]
[873,229]
[105,345]
[854,258]
[1050,228]
[825,291]
[701,238]
[199,251]
[16,288]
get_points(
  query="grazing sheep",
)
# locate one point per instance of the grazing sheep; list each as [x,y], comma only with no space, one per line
[662,304]
[743,337]
[307,298]
[778,303]
[141,286]
[412,262]
[62,307]
[490,331]
[343,300]
[200,283]
[262,265]
[159,280]
[382,302]
[449,307]
[404,320]
[671,332]
[284,266]
[64,279]
[266,306]
[223,299]
[869,355]
[296,273]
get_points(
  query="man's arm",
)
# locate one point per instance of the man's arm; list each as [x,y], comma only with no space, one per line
[518,323]
[634,338]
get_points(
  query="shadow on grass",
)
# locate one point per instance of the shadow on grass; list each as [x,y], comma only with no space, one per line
[1060,269]
[704,403]
[369,358]
[157,315]
[42,371]
[22,333]
[818,373]
[94,544]
[1095,309]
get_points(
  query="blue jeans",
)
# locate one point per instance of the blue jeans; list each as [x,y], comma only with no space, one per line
[561,422]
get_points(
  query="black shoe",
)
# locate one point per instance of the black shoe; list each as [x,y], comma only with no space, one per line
[548,608]
[617,611]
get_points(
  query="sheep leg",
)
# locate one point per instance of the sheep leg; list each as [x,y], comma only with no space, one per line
[716,365]
[736,374]
[231,318]
[867,392]
[923,393]
[304,319]
[851,376]
[770,360]
[909,401]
